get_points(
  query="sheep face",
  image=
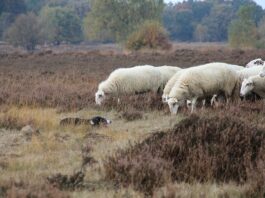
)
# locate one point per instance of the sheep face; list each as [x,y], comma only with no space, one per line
[174,104]
[99,97]
[255,62]
[246,87]
[165,98]
[262,73]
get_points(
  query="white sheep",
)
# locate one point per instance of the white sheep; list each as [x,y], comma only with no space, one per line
[247,72]
[262,73]
[235,67]
[166,73]
[134,80]
[170,84]
[253,84]
[201,82]
[174,78]
[255,62]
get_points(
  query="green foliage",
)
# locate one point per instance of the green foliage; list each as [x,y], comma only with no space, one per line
[217,22]
[243,31]
[25,32]
[181,19]
[115,19]
[81,7]
[150,35]
[35,5]
[261,34]
[60,24]
[204,20]
[13,6]
[201,33]
[6,19]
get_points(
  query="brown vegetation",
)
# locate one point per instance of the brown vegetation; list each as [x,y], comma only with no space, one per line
[200,154]
[68,81]
[216,148]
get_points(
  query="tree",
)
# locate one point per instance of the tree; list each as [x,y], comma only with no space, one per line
[115,19]
[181,19]
[13,6]
[81,7]
[200,33]
[218,21]
[261,34]
[25,32]
[60,24]
[6,19]
[243,31]
[35,5]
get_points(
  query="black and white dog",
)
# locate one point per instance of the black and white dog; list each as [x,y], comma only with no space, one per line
[95,121]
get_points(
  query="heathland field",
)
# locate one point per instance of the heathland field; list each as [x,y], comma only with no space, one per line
[215,152]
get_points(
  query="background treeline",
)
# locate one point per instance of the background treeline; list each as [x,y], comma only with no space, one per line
[135,23]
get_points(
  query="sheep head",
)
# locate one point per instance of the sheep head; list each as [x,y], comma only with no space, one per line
[99,97]
[246,87]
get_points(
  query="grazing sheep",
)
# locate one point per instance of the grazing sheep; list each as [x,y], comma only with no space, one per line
[241,75]
[138,79]
[255,84]
[201,82]
[247,72]
[172,80]
[170,84]
[255,62]
[167,72]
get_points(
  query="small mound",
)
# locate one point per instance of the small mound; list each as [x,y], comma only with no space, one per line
[67,182]
[198,149]
[132,115]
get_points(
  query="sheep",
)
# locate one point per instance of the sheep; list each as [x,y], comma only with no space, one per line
[201,82]
[166,73]
[172,81]
[255,62]
[253,84]
[170,84]
[138,79]
[247,72]
[235,67]
[262,73]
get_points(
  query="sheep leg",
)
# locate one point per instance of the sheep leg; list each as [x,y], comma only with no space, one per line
[203,103]
[193,104]
[214,100]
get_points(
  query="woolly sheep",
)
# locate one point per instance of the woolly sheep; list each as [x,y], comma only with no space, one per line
[170,84]
[247,72]
[133,80]
[243,74]
[172,80]
[253,84]
[166,73]
[255,62]
[262,73]
[201,82]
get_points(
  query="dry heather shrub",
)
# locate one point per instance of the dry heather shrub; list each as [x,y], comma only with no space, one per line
[132,115]
[23,189]
[140,102]
[10,122]
[198,149]
[150,35]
